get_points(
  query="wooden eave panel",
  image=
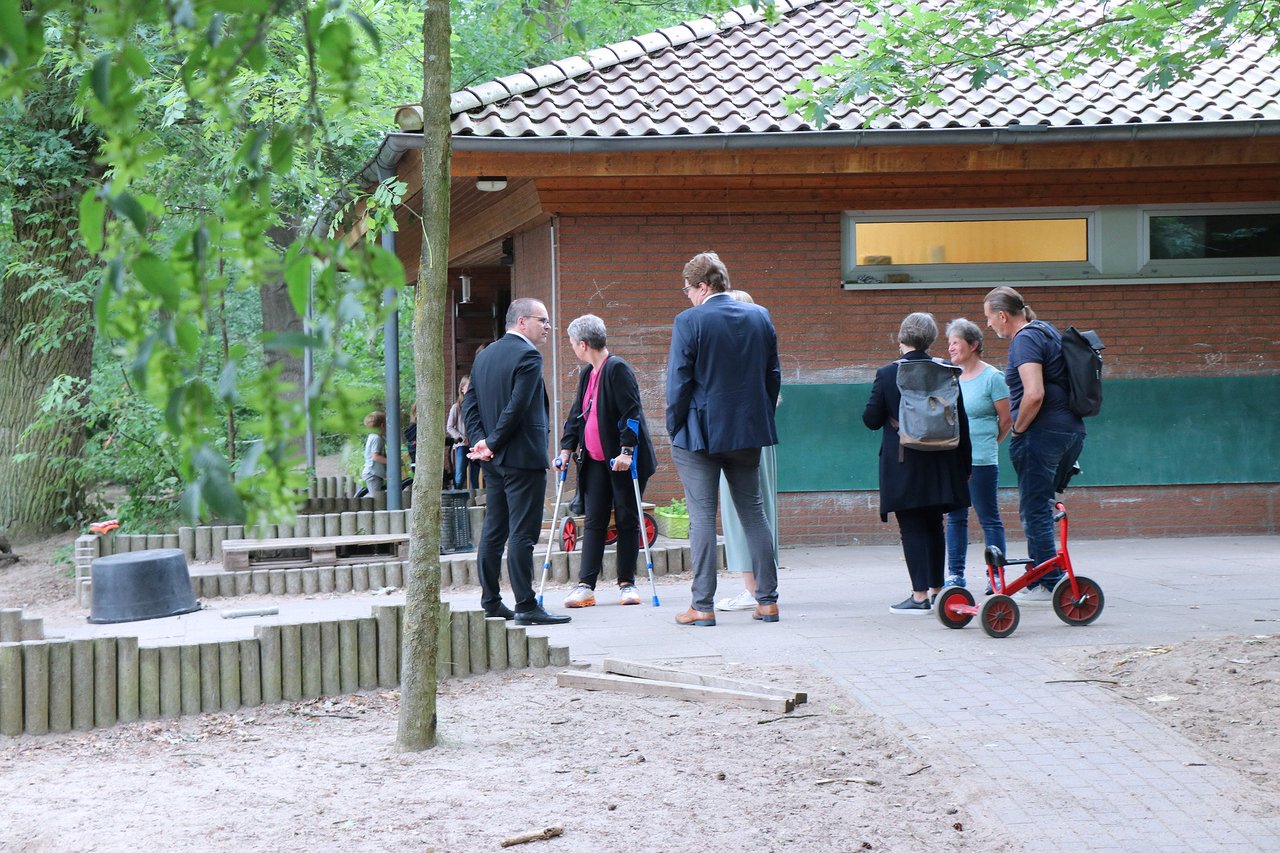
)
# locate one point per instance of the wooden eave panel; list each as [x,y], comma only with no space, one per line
[833,193]
[876,160]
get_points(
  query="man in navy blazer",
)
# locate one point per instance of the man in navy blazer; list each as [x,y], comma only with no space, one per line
[723,379]
[507,407]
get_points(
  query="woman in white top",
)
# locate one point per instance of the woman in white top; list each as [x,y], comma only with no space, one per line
[986,403]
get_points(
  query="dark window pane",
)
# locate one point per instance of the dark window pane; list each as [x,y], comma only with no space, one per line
[1212,237]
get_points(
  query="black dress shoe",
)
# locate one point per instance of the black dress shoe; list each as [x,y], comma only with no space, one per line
[503,611]
[538,616]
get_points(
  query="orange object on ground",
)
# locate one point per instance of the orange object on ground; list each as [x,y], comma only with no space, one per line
[104,527]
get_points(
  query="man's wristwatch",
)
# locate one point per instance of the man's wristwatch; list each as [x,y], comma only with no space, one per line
[1014,432]
[626,450]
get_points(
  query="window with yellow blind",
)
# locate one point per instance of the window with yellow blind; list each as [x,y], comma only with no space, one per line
[1099,244]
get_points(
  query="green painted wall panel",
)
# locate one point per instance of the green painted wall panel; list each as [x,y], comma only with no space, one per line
[1169,431]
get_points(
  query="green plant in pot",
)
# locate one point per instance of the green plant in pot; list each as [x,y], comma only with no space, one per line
[673,519]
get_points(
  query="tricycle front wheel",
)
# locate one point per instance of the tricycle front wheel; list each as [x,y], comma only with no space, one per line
[1079,610]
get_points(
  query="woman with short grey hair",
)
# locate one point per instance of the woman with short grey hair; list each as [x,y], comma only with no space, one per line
[918,331]
[917,486]
[986,403]
[588,329]
[600,427]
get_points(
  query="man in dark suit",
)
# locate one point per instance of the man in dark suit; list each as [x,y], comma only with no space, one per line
[723,378]
[507,407]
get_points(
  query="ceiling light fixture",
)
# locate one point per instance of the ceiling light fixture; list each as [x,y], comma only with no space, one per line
[491,183]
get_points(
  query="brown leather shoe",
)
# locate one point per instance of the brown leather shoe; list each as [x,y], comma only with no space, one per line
[701,618]
[766,613]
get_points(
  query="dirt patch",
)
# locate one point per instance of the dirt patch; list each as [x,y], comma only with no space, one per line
[43,579]
[516,754]
[1222,694]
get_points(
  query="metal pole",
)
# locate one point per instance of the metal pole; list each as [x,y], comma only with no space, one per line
[555,338]
[391,357]
[391,362]
[308,374]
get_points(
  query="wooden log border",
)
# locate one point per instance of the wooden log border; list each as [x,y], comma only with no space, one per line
[50,686]
[456,570]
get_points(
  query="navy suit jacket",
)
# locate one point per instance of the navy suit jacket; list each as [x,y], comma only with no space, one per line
[507,403]
[723,377]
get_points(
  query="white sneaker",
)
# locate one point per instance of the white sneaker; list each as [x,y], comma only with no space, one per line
[582,596]
[628,594]
[1037,593]
[742,601]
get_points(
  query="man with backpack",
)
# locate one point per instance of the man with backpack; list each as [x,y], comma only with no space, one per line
[925,455]
[1047,434]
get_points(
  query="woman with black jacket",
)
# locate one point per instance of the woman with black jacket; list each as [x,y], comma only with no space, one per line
[608,398]
[918,486]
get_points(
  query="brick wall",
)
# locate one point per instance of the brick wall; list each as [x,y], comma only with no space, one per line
[627,270]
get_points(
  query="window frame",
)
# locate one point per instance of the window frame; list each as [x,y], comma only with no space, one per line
[1201,267]
[1118,245]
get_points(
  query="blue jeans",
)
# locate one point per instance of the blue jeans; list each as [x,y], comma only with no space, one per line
[1041,457]
[461,465]
[986,503]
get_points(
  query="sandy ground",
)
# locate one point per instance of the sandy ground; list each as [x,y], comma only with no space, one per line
[517,754]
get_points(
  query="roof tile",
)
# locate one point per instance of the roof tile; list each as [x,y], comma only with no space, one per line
[729,75]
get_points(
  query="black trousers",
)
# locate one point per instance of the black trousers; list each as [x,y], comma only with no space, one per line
[924,545]
[513,517]
[604,490]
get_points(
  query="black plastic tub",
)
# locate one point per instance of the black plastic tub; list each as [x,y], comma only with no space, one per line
[141,585]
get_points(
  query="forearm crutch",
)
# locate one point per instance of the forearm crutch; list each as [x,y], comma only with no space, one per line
[551,537]
[634,426]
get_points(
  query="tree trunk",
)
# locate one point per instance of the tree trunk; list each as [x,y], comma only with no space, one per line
[36,497]
[417,729]
[279,316]
[46,328]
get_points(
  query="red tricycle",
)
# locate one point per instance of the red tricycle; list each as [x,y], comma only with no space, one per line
[1076,599]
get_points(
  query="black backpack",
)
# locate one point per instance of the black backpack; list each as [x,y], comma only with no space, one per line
[1082,353]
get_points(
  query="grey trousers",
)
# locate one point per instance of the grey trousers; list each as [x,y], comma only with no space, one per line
[700,474]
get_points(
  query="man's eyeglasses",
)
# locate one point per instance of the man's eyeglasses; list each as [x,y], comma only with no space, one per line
[685,290]
[543,320]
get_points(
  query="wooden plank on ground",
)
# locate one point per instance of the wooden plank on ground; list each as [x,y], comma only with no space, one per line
[674,690]
[663,673]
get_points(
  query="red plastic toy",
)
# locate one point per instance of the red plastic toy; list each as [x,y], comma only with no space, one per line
[104,527]
[570,532]
[1076,599]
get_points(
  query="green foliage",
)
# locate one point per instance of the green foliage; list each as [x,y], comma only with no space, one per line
[910,53]
[676,507]
[493,38]
[181,235]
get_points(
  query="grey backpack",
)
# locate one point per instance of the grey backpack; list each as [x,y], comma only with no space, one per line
[929,412]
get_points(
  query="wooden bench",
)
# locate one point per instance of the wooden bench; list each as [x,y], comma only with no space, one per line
[299,552]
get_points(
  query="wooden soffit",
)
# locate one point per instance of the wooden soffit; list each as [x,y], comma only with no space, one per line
[478,220]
